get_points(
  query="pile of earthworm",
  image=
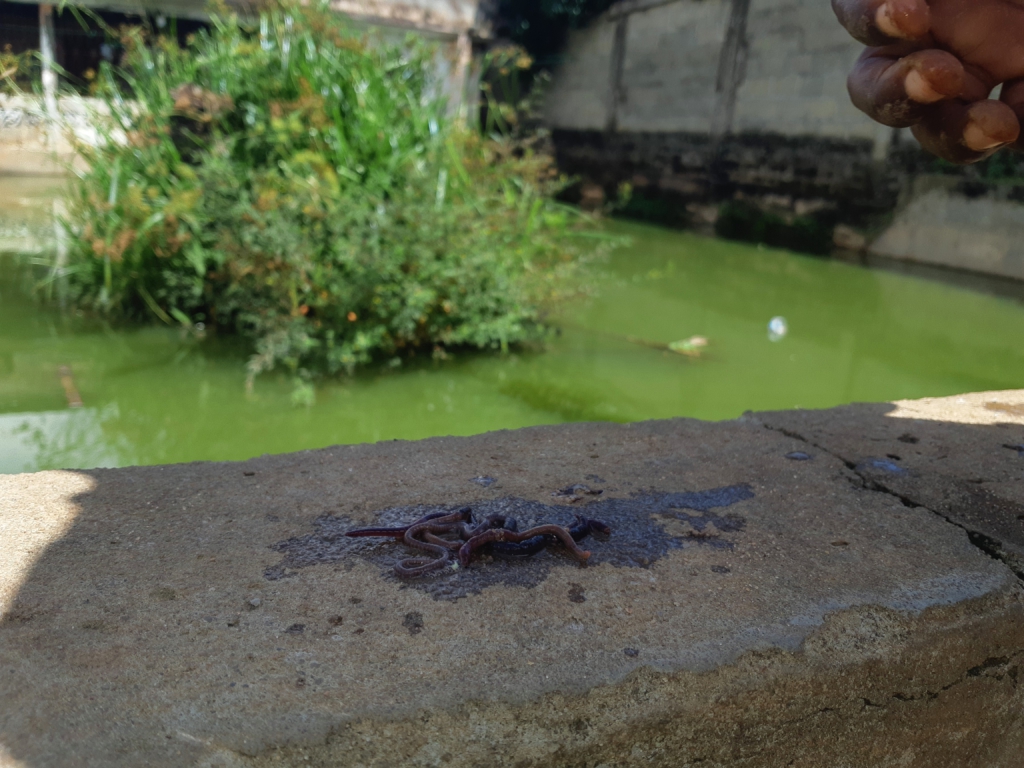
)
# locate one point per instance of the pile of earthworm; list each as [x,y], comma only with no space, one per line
[444,533]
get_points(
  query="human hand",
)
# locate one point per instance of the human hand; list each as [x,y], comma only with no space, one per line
[932,64]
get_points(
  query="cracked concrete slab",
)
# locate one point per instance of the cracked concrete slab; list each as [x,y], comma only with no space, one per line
[962,457]
[757,604]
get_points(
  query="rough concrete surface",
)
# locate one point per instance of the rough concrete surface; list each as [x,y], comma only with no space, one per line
[971,229]
[962,457]
[765,599]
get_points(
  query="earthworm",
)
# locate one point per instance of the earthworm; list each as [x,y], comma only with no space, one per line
[436,524]
[583,527]
[452,544]
[412,567]
[466,532]
[498,533]
[504,535]
[396,533]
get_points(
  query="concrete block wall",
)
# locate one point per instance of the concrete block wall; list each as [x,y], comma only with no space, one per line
[795,84]
[949,223]
[29,146]
[668,72]
[580,95]
[670,66]
[451,16]
[734,83]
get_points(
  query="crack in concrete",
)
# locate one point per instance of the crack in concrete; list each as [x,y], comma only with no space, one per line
[983,542]
[1007,666]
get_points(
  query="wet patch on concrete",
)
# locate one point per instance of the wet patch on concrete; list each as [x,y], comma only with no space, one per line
[413,622]
[881,464]
[645,527]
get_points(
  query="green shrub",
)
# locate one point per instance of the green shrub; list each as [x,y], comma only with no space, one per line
[304,188]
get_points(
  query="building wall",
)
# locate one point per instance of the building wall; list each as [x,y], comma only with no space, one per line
[452,16]
[700,101]
[670,66]
[29,147]
[580,95]
[797,64]
[965,226]
[793,82]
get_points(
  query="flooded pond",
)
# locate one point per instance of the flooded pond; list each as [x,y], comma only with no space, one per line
[150,396]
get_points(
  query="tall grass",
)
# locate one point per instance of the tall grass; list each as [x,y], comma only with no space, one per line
[305,187]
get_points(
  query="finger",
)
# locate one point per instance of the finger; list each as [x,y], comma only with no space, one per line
[879,22]
[896,89]
[1013,96]
[965,133]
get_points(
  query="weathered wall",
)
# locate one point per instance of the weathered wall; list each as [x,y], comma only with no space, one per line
[668,75]
[700,101]
[446,16]
[792,82]
[795,81]
[948,223]
[29,148]
[666,79]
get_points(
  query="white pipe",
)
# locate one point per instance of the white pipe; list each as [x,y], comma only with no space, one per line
[460,77]
[47,50]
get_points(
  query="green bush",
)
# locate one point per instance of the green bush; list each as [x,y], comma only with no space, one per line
[304,188]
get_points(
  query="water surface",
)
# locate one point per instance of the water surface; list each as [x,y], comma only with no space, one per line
[151,396]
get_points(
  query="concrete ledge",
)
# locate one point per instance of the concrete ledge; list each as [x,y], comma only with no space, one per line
[28,147]
[777,590]
[947,222]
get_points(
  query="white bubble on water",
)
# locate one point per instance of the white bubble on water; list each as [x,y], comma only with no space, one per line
[777,328]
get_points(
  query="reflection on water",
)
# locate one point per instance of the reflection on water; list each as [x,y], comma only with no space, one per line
[71,438]
[152,396]
[26,206]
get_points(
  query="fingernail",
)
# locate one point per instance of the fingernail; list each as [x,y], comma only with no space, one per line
[975,138]
[919,89]
[884,21]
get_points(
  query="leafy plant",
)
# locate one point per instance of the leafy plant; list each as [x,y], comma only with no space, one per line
[16,70]
[306,188]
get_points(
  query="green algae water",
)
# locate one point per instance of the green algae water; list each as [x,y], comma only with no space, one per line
[153,396]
